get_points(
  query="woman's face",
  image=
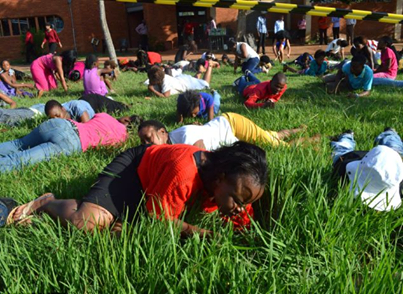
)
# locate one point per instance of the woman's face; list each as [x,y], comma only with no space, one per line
[47,28]
[231,195]
[5,65]
[381,45]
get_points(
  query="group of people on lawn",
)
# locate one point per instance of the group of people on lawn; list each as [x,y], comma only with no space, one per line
[216,164]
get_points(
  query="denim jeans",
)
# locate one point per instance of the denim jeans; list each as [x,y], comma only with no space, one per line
[387,82]
[251,64]
[246,81]
[346,143]
[51,138]
[12,117]
[217,101]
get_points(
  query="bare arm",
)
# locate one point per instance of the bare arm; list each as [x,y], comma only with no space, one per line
[59,71]
[188,229]
[179,117]
[8,100]
[158,94]
[289,48]
[211,113]
[85,117]
[384,66]
[342,53]
[200,144]
[13,84]
[244,52]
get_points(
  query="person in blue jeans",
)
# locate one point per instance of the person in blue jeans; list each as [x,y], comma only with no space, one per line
[198,104]
[376,175]
[246,80]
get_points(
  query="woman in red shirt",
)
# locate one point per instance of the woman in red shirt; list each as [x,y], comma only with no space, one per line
[171,177]
[52,38]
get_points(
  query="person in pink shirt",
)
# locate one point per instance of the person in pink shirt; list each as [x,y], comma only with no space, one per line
[389,64]
[47,68]
[93,80]
[64,137]
[77,72]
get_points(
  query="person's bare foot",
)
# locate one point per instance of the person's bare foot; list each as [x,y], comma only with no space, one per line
[23,211]
[40,93]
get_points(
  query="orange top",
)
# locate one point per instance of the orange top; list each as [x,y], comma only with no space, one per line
[169,177]
[322,21]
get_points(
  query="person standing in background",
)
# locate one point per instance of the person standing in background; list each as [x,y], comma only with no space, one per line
[52,38]
[29,47]
[278,26]
[143,32]
[261,32]
[350,24]
[336,27]
[302,30]
[322,23]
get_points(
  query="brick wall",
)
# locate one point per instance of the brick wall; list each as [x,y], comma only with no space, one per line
[85,16]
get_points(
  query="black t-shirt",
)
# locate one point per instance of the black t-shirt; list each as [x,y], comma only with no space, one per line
[102,104]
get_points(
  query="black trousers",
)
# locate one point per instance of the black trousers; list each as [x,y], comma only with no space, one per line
[29,52]
[144,42]
[336,33]
[323,36]
[262,42]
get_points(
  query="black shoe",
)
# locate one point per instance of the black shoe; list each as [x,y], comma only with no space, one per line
[6,205]
[236,82]
[247,72]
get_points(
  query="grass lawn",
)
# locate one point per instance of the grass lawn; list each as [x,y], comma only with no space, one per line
[310,236]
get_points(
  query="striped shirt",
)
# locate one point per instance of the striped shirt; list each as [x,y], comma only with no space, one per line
[261,25]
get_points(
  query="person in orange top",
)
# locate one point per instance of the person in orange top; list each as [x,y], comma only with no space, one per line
[268,92]
[323,26]
[171,177]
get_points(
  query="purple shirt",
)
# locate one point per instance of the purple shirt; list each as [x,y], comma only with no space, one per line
[93,83]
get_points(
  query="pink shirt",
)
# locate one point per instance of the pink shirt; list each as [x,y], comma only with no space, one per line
[389,54]
[93,83]
[102,129]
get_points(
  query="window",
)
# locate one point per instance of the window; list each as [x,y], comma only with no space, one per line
[6,28]
[18,26]
[187,13]
[201,13]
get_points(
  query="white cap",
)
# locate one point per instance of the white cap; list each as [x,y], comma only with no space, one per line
[376,178]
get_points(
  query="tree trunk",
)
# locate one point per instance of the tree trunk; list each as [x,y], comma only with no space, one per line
[241,29]
[107,34]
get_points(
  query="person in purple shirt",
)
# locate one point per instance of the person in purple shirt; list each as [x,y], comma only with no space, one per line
[93,80]
[197,104]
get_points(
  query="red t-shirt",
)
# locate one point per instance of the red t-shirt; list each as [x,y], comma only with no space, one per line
[188,28]
[170,179]
[261,92]
[323,23]
[51,37]
[29,38]
[154,57]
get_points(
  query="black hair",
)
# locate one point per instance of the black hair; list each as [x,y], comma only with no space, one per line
[265,59]
[359,40]
[305,56]
[389,43]
[69,58]
[1,64]
[187,102]
[74,76]
[209,55]
[224,56]
[157,125]
[343,43]
[200,62]
[90,60]
[360,59]
[50,105]
[155,75]
[49,24]
[142,58]
[135,120]
[280,77]
[231,43]
[319,53]
[240,159]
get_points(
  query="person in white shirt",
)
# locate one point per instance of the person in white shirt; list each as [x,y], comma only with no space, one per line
[244,56]
[222,130]
[336,27]
[261,32]
[142,30]
[278,26]
[335,49]
[163,85]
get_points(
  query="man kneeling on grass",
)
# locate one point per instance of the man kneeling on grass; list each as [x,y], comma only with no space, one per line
[376,175]
[268,92]
[222,130]
[354,75]
[229,179]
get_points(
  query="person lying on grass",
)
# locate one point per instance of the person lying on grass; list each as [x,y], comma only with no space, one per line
[98,104]
[268,92]
[222,130]
[77,110]
[202,66]
[375,176]
[197,104]
[317,67]
[163,85]
[353,76]
[63,136]
[172,177]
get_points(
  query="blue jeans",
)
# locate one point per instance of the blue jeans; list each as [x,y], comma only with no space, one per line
[246,81]
[346,143]
[12,117]
[217,101]
[251,64]
[51,138]
[387,82]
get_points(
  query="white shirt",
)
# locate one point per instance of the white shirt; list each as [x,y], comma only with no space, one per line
[173,85]
[278,26]
[249,51]
[214,134]
[333,46]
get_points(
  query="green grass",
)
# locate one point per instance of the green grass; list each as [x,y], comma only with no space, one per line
[310,236]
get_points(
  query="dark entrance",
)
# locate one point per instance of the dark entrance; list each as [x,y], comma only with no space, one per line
[197,16]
